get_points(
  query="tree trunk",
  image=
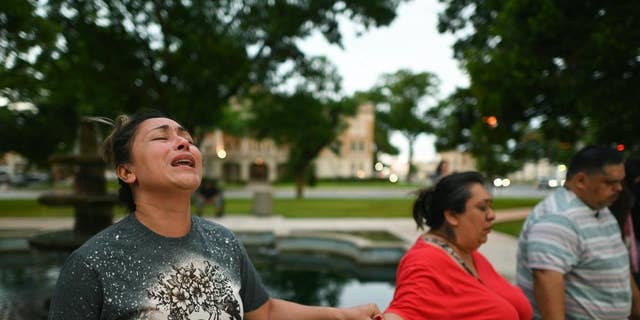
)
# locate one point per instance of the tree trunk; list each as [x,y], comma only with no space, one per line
[300,185]
[411,169]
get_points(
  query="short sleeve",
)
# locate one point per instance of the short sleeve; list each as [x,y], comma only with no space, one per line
[78,292]
[553,244]
[420,290]
[252,293]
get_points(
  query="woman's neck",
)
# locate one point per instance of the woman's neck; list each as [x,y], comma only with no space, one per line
[466,256]
[166,216]
[455,245]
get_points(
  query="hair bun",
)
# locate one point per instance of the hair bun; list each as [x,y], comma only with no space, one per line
[422,206]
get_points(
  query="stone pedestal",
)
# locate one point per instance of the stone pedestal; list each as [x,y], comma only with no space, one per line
[90,200]
[262,200]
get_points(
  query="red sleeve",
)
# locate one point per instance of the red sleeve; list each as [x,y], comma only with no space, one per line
[421,291]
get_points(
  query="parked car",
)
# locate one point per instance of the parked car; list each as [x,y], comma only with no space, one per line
[18,180]
[501,182]
[4,178]
[550,183]
[37,177]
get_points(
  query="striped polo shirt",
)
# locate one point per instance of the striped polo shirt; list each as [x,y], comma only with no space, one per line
[563,234]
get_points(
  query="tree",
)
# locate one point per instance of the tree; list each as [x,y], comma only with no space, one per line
[398,98]
[458,124]
[555,74]
[307,120]
[186,58]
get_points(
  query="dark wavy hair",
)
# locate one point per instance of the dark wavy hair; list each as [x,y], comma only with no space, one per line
[628,199]
[450,193]
[116,148]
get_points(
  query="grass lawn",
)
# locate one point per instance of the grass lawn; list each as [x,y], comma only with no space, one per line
[291,208]
[510,227]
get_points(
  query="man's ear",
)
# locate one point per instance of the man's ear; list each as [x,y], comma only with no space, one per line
[451,218]
[125,174]
[580,180]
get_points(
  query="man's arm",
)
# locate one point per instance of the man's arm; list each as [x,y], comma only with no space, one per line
[548,289]
[276,309]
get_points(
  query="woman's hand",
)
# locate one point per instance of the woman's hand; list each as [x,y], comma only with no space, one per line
[361,312]
[277,309]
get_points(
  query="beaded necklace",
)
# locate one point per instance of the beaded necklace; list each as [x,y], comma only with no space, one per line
[451,252]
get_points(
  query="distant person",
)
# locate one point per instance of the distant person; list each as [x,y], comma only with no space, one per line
[443,276]
[160,262]
[571,261]
[626,209]
[443,169]
[210,193]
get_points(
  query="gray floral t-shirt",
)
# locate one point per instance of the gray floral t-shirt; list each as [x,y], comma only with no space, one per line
[129,272]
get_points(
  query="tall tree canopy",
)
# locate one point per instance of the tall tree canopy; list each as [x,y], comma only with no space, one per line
[400,100]
[186,58]
[555,75]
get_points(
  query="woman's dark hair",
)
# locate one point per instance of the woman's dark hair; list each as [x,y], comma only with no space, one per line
[627,201]
[450,193]
[116,148]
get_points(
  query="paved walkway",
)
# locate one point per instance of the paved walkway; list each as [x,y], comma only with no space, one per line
[500,249]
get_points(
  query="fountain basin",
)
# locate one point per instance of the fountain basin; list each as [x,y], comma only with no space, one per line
[318,268]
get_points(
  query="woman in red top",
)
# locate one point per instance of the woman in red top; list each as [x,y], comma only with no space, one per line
[443,276]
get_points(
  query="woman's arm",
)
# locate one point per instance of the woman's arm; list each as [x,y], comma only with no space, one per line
[276,309]
[392,316]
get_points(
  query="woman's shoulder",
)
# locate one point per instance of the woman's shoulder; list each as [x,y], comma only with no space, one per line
[424,254]
[213,228]
[104,238]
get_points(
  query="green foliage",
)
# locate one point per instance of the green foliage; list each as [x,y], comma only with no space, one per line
[398,98]
[556,74]
[187,58]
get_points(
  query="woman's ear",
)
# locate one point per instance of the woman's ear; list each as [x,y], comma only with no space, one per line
[451,218]
[125,174]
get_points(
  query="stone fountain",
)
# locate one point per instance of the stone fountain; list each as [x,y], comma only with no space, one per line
[92,204]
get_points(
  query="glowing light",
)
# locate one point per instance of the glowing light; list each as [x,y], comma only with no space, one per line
[221,154]
[562,168]
[491,121]
[393,178]
[378,166]
[620,147]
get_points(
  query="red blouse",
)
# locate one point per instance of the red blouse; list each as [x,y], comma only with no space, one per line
[431,285]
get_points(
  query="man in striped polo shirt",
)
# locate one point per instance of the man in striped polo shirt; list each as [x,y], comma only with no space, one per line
[572,263]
